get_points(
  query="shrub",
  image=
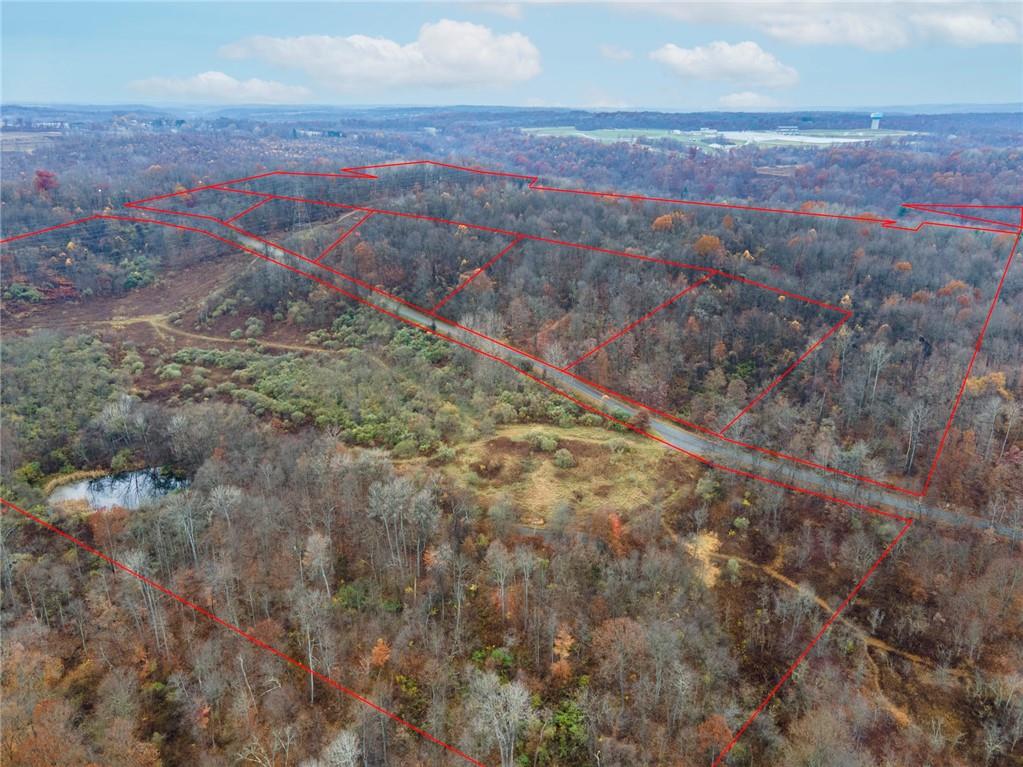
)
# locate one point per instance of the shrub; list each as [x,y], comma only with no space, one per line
[503,412]
[617,446]
[21,292]
[707,487]
[169,371]
[564,459]
[122,460]
[254,327]
[407,448]
[30,472]
[133,363]
[444,454]
[543,442]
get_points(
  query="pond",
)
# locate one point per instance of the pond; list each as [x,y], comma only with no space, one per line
[129,489]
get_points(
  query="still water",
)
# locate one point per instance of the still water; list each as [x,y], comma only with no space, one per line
[129,489]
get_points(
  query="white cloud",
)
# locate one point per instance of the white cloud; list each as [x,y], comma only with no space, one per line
[967,28]
[881,25]
[615,52]
[746,100]
[446,53]
[836,27]
[745,63]
[220,88]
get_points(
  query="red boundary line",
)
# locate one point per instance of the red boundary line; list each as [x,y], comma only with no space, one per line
[240,632]
[247,210]
[946,210]
[973,359]
[357,172]
[464,284]
[907,523]
[343,237]
[534,185]
[640,321]
[806,651]
[767,390]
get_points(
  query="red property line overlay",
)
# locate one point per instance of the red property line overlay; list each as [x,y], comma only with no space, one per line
[240,632]
[710,270]
[767,390]
[907,522]
[390,296]
[358,172]
[465,283]
[343,237]
[247,210]
[635,323]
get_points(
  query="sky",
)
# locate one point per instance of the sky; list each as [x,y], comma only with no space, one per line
[612,55]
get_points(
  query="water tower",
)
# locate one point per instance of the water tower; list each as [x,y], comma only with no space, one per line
[875,120]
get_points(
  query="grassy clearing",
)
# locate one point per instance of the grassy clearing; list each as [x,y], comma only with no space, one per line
[612,473]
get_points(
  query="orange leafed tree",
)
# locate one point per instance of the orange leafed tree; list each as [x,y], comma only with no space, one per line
[380,654]
[663,223]
[561,668]
[953,286]
[713,734]
[708,245]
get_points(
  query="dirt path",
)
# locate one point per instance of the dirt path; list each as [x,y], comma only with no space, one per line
[868,639]
[161,324]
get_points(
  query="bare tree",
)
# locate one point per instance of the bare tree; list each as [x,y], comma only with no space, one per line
[136,560]
[502,568]
[914,426]
[497,712]
[317,557]
[343,750]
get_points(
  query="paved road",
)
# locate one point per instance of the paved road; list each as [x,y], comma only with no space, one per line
[717,451]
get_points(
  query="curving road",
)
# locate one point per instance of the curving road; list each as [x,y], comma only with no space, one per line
[702,446]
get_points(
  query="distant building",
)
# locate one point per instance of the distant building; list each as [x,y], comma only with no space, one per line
[875,120]
[431,130]
[786,171]
[788,129]
[303,133]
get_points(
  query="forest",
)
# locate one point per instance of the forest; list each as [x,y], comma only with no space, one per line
[523,579]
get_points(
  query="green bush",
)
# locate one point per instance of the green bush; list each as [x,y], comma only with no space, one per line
[405,449]
[169,372]
[543,442]
[29,473]
[564,459]
[445,454]
[254,327]
[21,292]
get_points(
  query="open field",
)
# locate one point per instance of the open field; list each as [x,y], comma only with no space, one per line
[714,140]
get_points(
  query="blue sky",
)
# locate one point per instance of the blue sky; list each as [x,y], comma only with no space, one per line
[722,55]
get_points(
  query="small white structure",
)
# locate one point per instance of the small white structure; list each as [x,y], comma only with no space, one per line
[875,120]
